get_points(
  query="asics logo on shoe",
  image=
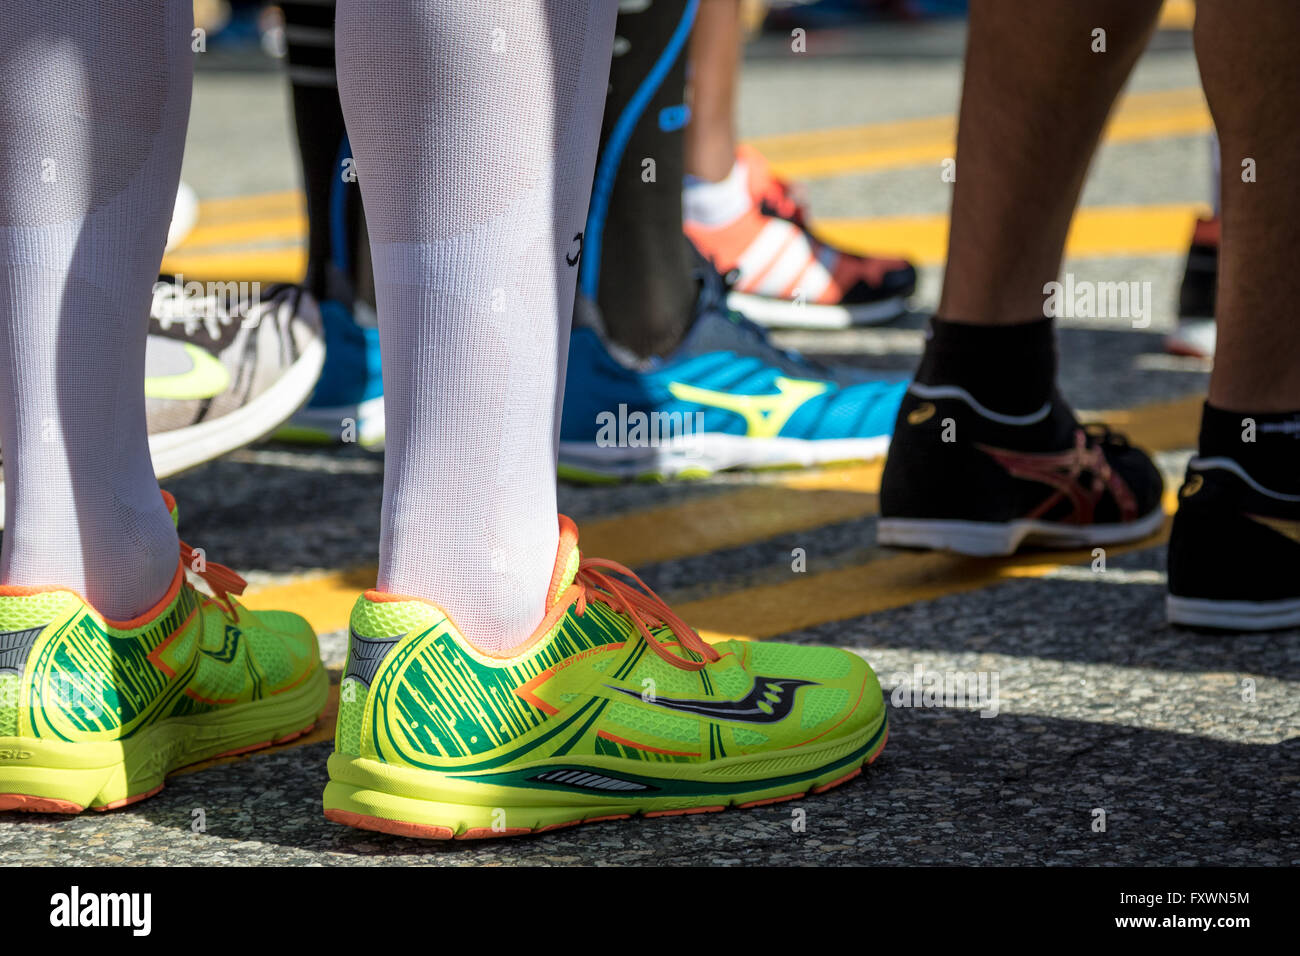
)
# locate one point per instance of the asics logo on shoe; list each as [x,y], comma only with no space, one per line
[765,415]
[1080,476]
[770,700]
[1288,529]
[205,378]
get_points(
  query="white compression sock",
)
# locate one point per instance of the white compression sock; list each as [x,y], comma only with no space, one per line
[474,129]
[716,204]
[94,99]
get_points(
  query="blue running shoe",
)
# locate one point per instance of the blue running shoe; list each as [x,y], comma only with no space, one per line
[726,398]
[348,403]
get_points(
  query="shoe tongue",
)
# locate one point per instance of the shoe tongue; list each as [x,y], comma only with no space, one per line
[566,561]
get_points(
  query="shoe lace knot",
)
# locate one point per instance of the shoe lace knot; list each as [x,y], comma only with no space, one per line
[171,305]
[645,609]
[1100,434]
[222,580]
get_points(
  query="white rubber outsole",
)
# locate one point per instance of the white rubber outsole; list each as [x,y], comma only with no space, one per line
[990,539]
[787,314]
[184,448]
[1233,615]
[715,451]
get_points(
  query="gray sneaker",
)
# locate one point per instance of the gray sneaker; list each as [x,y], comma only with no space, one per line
[222,371]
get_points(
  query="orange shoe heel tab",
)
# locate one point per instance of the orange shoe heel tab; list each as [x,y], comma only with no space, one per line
[172,510]
[568,544]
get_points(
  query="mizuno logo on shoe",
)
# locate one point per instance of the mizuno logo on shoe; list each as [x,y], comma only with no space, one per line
[765,415]
[770,700]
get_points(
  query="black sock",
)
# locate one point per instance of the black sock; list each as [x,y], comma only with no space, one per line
[1010,369]
[1265,444]
[636,262]
[338,263]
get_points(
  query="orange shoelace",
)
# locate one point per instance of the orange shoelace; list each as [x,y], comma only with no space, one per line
[222,580]
[641,605]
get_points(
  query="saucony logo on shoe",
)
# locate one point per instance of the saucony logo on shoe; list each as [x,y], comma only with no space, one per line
[770,700]
[765,415]
[229,646]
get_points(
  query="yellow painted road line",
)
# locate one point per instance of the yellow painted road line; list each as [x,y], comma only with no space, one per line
[1096,231]
[276,221]
[868,588]
[1177,15]
[211,235]
[873,147]
[254,206]
[287,264]
[794,501]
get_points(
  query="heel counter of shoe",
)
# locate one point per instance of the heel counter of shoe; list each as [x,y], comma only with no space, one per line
[932,471]
[27,618]
[374,629]
[1222,550]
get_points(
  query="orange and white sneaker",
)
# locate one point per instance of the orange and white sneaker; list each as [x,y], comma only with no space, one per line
[754,226]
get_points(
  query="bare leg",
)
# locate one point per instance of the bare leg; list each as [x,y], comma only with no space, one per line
[1249,68]
[1033,104]
[714,66]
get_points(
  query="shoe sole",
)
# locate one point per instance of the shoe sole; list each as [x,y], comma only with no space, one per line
[1233,615]
[184,448]
[702,455]
[56,776]
[371,795]
[996,539]
[787,314]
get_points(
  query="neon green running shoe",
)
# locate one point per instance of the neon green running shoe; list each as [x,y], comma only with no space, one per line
[95,713]
[614,707]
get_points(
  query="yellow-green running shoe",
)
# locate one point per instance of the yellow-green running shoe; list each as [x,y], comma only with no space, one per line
[96,713]
[614,707]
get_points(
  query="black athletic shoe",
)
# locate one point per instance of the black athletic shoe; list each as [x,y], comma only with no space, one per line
[968,479]
[1234,552]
